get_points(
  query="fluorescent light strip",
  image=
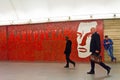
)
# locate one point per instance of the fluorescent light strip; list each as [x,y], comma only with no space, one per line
[81,17]
[21,21]
[103,16]
[54,19]
[4,22]
[40,20]
[57,19]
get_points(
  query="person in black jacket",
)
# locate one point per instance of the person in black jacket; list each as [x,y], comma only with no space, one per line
[67,52]
[95,49]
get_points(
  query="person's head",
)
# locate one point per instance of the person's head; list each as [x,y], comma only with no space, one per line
[93,30]
[106,37]
[66,38]
[85,29]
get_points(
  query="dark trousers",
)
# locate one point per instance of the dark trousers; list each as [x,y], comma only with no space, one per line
[101,64]
[68,59]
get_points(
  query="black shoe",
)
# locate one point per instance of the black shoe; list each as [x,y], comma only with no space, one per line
[74,64]
[91,72]
[108,70]
[66,66]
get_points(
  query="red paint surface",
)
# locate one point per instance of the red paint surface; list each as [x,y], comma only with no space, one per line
[3,44]
[41,42]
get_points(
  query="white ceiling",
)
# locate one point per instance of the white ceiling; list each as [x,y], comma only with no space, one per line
[32,9]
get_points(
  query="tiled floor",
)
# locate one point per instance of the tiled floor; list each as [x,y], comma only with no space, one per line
[55,71]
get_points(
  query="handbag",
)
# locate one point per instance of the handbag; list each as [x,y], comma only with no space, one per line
[96,58]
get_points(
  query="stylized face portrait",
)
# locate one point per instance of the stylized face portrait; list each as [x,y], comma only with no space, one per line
[84,37]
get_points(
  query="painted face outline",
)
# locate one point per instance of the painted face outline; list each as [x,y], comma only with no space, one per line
[84,37]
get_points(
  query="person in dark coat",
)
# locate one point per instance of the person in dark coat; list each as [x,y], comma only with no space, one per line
[95,49]
[67,52]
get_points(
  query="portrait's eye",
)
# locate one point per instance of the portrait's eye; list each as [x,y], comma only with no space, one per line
[79,34]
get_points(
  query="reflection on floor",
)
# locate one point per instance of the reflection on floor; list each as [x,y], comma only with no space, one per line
[55,71]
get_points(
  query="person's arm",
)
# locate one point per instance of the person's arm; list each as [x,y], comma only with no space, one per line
[98,44]
[110,42]
[104,43]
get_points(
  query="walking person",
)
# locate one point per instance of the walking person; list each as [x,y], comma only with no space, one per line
[95,49]
[108,45]
[67,52]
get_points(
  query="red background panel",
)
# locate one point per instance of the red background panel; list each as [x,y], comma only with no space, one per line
[41,42]
[3,44]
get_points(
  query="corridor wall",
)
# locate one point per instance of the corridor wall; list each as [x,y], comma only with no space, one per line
[112,29]
[41,42]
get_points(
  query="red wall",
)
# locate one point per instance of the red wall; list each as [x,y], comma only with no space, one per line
[40,42]
[3,43]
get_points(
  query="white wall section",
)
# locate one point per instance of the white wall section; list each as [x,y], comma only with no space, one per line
[12,10]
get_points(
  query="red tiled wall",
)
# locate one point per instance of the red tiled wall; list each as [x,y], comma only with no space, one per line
[3,44]
[40,42]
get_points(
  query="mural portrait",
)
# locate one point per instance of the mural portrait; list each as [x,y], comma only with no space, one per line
[84,37]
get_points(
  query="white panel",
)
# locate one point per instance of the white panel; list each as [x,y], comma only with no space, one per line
[29,9]
[6,11]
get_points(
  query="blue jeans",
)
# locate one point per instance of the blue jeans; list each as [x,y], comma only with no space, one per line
[110,52]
